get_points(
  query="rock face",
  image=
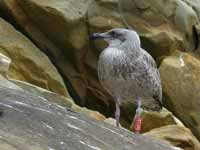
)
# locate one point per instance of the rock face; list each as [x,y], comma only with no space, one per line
[176,135]
[30,122]
[28,62]
[4,65]
[52,97]
[38,91]
[180,78]
[164,25]
[7,84]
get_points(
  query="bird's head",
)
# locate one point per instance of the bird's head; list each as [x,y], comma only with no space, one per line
[118,36]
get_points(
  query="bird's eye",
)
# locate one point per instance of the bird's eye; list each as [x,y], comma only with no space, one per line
[113,34]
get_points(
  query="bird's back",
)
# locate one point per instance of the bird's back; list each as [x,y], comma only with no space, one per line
[127,77]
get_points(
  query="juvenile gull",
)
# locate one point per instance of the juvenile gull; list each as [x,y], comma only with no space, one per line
[128,72]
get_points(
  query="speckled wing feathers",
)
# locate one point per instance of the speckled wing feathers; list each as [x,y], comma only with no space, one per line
[127,77]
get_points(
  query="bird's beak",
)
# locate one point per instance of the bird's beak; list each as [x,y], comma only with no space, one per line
[96,36]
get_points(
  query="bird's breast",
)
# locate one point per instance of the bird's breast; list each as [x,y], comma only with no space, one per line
[112,62]
[112,55]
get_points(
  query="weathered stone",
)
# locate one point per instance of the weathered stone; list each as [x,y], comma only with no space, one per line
[19,142]
[181,86]
[30,122]
[51,97]
[90,113]
[102,16]
[38,91]
[111,121]
[163,25]
[177,136]
[4,65]
[28,62]
[5,83]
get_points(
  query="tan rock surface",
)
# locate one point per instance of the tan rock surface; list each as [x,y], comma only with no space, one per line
[177,136]
[28,62]
[181,86]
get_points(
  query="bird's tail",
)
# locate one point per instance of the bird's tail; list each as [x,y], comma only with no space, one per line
[153,104]
[158,103]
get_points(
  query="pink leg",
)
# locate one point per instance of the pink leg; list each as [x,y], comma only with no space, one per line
[137,118]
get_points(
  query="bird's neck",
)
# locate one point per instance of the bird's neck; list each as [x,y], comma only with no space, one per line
[131,47]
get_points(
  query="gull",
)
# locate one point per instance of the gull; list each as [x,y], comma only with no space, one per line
[129,73]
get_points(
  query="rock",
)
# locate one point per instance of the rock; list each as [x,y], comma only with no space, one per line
[163,25]
[152,120]
[102,16]
[180,79]
[177,136]
[50,96]
[111,121]
[5,83]
[30,122]
[90,113]
[67,44]
[4,65]
[195,7]
[56,98]
[28,62]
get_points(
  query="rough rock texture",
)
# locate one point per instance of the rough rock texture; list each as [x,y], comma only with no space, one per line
[151,120]
[30,122]
[53,97]
[4,65]
[102,16]
[180,78]
[177,136]
[90,113]
[38,91]
[111,121]
[7,84]
[28,62]
[164,25]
